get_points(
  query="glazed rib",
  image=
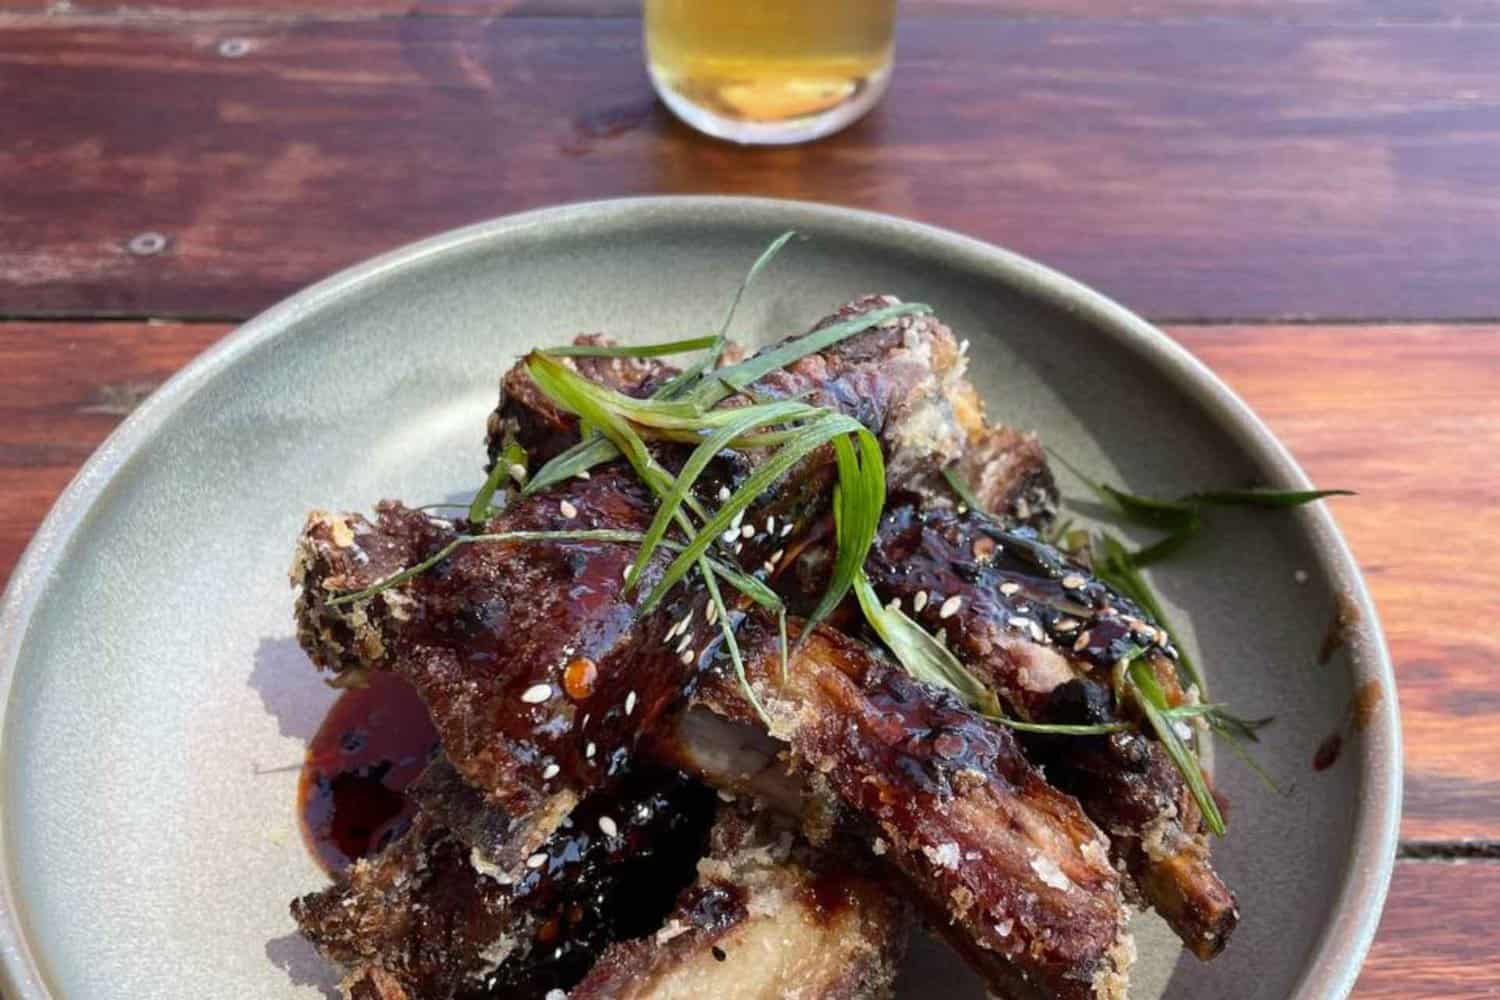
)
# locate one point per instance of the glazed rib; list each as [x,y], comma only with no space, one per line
[1044,634]
[429,919]
[489,636]
[768,918]
[1004,865]
[536,667]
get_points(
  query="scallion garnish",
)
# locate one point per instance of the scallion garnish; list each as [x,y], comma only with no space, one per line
[1153,704]
[633,350]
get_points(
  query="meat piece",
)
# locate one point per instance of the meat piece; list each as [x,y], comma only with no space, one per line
[900,379]
[429,919]
[527,415]
[537,668]
[1045,634]
[493,635]
[1004,865]
[768,918]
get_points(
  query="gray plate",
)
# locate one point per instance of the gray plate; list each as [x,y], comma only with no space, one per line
[156,706]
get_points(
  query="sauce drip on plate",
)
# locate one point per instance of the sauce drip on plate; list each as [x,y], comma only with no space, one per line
[373,743]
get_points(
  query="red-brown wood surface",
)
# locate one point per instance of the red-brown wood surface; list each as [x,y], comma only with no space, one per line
[1432,943]
[1199,168]
[1201,159]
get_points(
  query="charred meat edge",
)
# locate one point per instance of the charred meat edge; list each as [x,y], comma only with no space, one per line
[768,917]
[1009,869]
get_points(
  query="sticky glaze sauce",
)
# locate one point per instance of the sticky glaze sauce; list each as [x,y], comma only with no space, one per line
[372,744]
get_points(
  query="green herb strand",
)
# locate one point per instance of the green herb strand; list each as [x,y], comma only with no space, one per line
[633,350]
[748,418]
[1153,704]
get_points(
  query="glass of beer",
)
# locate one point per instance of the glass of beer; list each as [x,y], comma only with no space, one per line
[770,72]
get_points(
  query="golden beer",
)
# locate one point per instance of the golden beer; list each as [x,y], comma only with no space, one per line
[769,71]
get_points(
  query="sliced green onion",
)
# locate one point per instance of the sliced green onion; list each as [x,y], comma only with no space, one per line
[747,419]
[1263,498]
[1153,704]
[1116,567]
[737,377]
[962,489]
[632,350]
[396,579]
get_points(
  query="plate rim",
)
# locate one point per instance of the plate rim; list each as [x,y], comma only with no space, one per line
[1339,953]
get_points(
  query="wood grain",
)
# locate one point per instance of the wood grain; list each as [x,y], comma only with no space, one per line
[1434,940]
[1195,168]
[1407,415]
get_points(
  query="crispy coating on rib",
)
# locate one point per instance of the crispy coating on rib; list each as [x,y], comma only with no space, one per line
[489,636]
[1044,633]
[1004,865]
[429,918]
[768,918]
[527,415]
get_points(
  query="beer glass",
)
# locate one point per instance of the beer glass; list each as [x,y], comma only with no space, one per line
[769,71]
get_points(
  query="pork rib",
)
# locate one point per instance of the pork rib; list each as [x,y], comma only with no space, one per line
[429,919]
[769,917]
[1004,865]
[1045,634]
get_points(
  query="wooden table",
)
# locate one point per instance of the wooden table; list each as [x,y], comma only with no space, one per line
[1306,194]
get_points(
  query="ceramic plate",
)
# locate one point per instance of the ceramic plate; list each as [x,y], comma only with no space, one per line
[157,707]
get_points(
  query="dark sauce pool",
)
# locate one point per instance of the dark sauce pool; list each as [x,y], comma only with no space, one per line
[373,743]
[612,872]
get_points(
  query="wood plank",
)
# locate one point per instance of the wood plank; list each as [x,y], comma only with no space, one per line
[1433,940]
[1407,415]
[63,388]
[1194,169]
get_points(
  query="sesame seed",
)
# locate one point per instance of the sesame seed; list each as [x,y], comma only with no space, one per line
[589,750]
[684,642]
[963,508]
[687,619]
[1073,581]
[517,472]
[776,556]
[585,723]
[584,474]
[768,567]
[771,525]
[739,517]
[712,614]
[786,529]
[1021,623]
[1081,643]
[536,694]
[537,860]
[724,494]
[567,509]
[730,535]
[1065,624]
[738,546]
[895,604]
[1008,588]
[630,703]
[625,573]
[1037,633]
[607,827]
[688,657]
[950,607]
[920,601]
[550,771]
[748,531]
